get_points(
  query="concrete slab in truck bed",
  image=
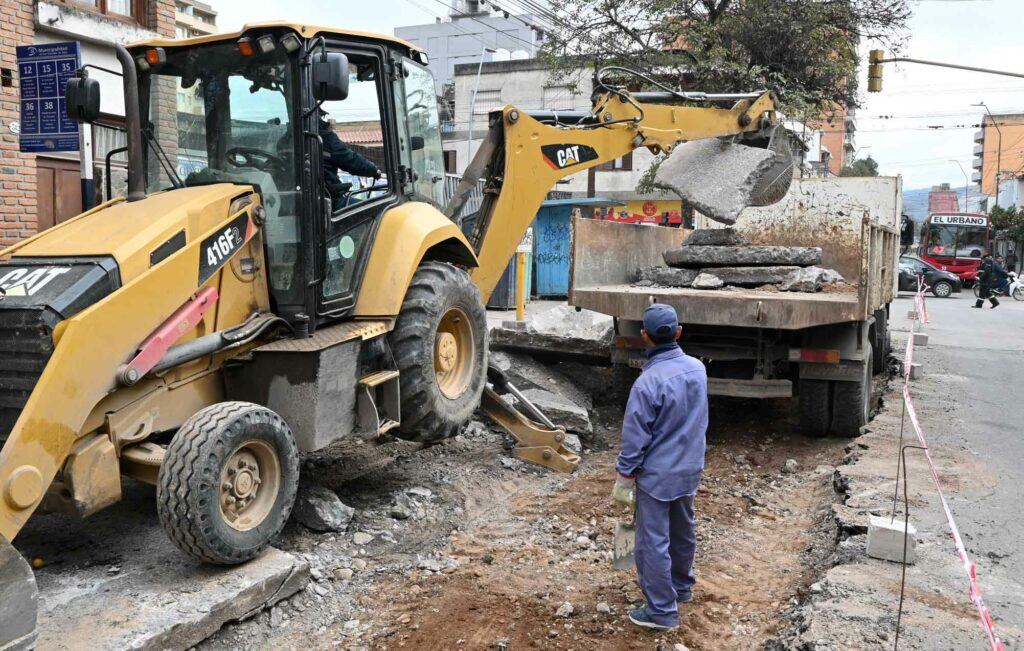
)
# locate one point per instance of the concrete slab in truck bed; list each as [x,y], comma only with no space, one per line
[744,307]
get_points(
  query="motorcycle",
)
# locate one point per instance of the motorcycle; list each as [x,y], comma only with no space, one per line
[1013,287]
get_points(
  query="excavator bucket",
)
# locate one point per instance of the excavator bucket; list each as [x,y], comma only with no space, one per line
[18,600]
[722,176]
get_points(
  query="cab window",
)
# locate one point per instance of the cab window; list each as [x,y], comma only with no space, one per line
[419,132]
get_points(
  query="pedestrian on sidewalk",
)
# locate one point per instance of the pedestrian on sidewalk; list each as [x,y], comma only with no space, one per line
[990,276]
[660,466]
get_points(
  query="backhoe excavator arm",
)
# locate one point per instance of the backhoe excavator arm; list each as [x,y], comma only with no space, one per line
[523,157]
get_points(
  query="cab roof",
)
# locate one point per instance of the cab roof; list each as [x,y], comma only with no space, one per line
[305,31]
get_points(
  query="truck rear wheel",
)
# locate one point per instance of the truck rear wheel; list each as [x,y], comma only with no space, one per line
[882,342]
[851,404]
[228,482]
[440,346]
[815,407]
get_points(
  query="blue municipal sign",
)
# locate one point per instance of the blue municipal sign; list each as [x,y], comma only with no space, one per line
[43,71]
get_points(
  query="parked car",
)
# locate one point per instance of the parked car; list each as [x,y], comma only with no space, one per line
[942,283]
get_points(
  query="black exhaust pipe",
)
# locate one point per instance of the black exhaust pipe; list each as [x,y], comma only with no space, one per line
[132,124]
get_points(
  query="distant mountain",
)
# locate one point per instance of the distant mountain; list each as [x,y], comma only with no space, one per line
[915,202]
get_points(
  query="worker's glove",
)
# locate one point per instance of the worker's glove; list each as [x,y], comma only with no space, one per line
[376,175]
[624,491]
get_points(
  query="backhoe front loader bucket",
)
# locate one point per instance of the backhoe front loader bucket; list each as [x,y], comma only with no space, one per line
[18,600]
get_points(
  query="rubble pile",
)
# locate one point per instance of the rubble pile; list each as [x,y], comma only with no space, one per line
[722,258]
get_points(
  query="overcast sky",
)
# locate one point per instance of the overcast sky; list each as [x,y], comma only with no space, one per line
[984,33]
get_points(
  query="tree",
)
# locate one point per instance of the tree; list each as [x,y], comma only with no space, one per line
[805,49]
[860,167]
[1008,222]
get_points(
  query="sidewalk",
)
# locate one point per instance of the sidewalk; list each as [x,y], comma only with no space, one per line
[855,603]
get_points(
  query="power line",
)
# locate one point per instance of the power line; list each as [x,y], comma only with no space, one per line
[490,27]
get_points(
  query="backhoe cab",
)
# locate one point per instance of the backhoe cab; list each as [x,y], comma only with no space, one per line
[234,309]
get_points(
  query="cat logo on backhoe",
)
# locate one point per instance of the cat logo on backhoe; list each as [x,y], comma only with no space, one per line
[561,156]
[28,281]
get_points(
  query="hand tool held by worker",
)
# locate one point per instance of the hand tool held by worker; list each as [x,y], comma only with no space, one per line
[624,491]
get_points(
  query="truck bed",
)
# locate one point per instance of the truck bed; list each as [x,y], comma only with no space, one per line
[853,220]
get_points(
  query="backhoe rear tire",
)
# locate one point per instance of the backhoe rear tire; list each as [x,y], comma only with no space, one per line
[440,345]
[228,482]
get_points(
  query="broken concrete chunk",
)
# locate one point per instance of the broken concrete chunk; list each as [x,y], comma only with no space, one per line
[560,410]
[715,237]
[667,276]
[403,508]
[707,281]
[831,276]
[525,372]
[742,256]
[803,280]
[752,276]
[566,321]
[320,509]
[716,176]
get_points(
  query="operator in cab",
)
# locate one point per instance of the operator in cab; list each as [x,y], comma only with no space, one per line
[340,157]
[660,466]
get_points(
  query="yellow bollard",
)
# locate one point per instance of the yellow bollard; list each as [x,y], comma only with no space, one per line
[520,286]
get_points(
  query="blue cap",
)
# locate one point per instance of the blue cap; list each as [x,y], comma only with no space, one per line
[660,320]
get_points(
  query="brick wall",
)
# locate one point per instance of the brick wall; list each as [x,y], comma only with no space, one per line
[17,170]
[161,16]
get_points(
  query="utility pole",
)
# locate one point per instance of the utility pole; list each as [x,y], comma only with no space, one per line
[472,104]
[999,147]
[967,180]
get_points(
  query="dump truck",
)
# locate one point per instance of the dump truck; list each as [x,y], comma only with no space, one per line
[236,308]
[823,347]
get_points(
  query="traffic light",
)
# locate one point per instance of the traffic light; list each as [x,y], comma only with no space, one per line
[875,58]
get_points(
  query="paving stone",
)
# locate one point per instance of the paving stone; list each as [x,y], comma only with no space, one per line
[885,539]
[742,256]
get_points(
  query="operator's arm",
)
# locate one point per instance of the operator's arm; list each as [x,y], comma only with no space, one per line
[637,430]
[346,158]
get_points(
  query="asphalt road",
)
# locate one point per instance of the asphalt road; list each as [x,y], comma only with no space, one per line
[981,355]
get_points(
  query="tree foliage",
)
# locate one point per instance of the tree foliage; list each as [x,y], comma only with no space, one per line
[805,49]
[860,167]
[1008,222]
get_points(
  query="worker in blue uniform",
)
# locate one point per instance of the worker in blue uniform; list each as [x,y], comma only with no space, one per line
[660,466]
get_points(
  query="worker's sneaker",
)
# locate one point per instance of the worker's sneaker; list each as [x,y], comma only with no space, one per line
[684,597]
[641,617]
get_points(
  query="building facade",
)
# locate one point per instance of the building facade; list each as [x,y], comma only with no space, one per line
[942,198]
[998,154]
[39,190]
[194,18]
[838,143]
[469,34]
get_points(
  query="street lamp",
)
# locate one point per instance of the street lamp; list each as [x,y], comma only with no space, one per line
[472,104]
[999,146]
[967,180]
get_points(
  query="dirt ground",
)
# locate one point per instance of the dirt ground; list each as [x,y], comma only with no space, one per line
[494,547]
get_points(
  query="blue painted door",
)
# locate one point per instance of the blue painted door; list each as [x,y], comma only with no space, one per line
[551,246]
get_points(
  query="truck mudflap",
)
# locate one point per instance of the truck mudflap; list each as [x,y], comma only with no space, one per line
[19,600]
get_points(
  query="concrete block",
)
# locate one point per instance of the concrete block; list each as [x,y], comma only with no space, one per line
[715,237]
[920,339]
[742,256]
[114,581]
[916,370]
[667,276]
[885,539]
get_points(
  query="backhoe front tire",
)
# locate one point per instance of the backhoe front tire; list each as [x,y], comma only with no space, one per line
[228,482]
[440,346]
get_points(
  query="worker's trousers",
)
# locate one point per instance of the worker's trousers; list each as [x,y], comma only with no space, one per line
[666,539]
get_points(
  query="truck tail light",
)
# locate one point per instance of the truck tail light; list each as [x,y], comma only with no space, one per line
[820,355]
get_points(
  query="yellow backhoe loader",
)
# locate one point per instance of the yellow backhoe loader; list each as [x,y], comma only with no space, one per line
[236,308]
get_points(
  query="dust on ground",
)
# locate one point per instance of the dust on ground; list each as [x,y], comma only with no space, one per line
[493,547]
